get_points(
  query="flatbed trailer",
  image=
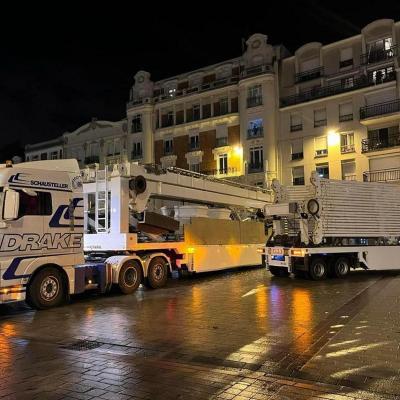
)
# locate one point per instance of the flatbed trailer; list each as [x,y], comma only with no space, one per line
[331,227]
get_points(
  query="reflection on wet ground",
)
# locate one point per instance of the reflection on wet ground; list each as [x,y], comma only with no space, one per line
[205,336]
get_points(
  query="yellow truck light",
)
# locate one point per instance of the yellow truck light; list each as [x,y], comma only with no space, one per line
[298,253]
[190,250]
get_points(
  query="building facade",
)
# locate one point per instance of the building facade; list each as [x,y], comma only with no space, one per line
[267,114]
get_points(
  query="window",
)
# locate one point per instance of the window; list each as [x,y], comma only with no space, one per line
[296,122]
[254,96]
[136,150]
[194,142]
[194,167]
[43,156]
[136,123]
[297,150]
[380,50]
[110,148]
[346,57]
[34,205]
[346,112]
[347,142]
[308,65]
[320,117]
[256,159]
[223,164]
[298,175]
[117,146]
[54,155]
[221,135]
[223,104]
[94,149]
[170,118]
[196,112]
[347,83]
[322,170]
[349,170]
[255,128]
[321,146]
[381,75]
[168,146]
[382,138]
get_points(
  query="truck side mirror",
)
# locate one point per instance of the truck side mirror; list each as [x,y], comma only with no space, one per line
[11,205]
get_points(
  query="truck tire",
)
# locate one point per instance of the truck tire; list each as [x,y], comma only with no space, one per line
[130,277]
[157,273]
[318,269]
[278,271]
[47,289]
[341,267]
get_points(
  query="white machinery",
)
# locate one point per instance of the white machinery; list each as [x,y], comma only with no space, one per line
[332,226]
[52,213]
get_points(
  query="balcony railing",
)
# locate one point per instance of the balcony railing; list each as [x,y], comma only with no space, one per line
[376,56]
[255,132]
[346,63]
[221,142]
[295,128]
[257,70]
[220,171]
[334,89]
[193,146]
[388,107]
[349,177]
[253,168]
[346,117]
[92,160]
[309,75]
[136,155]
[382,175]
[374,144]
[168,151]
[254,101]
[320,122]
[297,156]
[347,148]
[298,181]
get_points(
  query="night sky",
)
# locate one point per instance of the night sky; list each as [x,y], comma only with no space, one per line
[60,67]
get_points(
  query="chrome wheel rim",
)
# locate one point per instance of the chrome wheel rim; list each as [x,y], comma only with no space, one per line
[158,272]
[130,277]
[49,288]
[319,270]
[342,268]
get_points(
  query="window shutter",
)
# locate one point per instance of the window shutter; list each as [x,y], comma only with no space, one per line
[298,172]
[309,64]
[297,146]
[320,143]
[346,54]
[320,115]
[346,109]
[295,119]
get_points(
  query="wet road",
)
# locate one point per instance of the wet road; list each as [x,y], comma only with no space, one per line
[232,335]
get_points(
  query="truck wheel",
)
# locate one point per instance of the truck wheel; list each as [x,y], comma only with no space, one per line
[278,271]
[47,289]
[130,277]
[157,273]
[341,267]
[318,269]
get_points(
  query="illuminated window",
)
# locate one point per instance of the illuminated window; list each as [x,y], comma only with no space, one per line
[223,164]
[346,142]
[321,146]
[322,170]
[298,175]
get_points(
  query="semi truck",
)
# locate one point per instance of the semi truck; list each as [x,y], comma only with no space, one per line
[64,230]
[329,227]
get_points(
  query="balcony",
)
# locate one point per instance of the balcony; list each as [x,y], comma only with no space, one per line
[221,171]
[254,101]
[383,175]
[168,151]
[254,168]
[297,156]
[257,70]
[136,155]
[349,177]
[309,75]
[346,63]
[388,107]
[375,144]
[221,142]
[194,146]
[295,128]
[256,132]
[92,160]
[346,117]
[347,148]
[319,92]
[377,56]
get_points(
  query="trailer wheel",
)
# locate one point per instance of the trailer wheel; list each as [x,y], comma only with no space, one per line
[157,273]
[318,269]
[278,271]
[341,267]
[130,277]
[47,289]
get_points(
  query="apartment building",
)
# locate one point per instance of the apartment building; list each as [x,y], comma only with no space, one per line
[267,114]
[47,150]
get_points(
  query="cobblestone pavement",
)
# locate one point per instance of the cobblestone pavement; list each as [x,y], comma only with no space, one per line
[234,335]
